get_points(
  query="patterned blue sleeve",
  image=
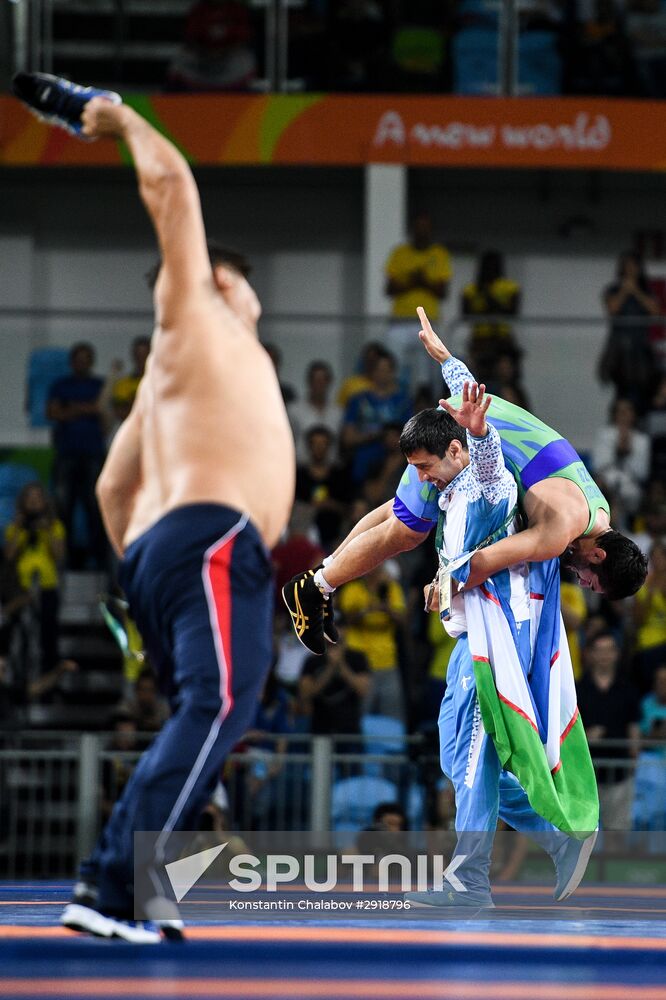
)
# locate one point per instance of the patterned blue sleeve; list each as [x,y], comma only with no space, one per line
[486,462]
[456,373]
[415,503]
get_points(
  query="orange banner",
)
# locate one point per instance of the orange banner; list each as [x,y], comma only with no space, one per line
[350,131]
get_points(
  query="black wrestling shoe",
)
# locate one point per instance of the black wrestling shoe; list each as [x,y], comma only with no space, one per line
[331,633]
[306,604]
[56,100]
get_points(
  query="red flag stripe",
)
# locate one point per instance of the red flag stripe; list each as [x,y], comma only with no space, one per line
[569,727]
[555,657]
[489,596]
[536,597]
[518,710]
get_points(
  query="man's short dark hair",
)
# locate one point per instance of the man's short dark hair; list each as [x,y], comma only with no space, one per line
[624,569]
[319,429]
[430,430]
[82,345]
[217,254]
[319,366]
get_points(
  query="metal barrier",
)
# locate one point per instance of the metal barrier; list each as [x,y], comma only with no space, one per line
[56,789]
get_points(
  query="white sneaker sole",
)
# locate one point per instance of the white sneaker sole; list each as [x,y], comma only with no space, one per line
[88,921]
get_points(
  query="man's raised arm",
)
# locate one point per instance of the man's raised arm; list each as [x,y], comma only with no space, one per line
[170,194]
[454,371]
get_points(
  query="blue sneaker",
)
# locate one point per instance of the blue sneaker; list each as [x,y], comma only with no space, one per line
[570,864]
[451,899]
[56,100]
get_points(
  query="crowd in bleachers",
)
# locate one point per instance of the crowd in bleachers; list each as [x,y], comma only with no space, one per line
[613,47]
[390,664]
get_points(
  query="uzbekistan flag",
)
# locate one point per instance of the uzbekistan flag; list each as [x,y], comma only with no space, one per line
[534,720]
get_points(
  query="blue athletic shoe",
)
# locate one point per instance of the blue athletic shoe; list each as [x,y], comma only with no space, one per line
[450,899]
[56,100]
[570,864]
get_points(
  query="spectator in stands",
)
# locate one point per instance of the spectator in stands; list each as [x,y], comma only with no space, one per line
[494,295]
[35,545]
[275,354]
[600,60]
[295,552]
[653,709]
[651,520]
[418,273]
[506,381]
[17,692]
[374,609]
[120,390]
[148,708]
[621,455]
[316,409]
[358,37]
[384,475]
[324,485]
[268,748]
[220,48]
[574,613]
[361,380]
[390,817]
[116,768]
[368,412]
[650,618]
[649,812]
[79,444]
[418,47]
[655,426]
[646,28]
[332,689]
[609,708]
[627,360]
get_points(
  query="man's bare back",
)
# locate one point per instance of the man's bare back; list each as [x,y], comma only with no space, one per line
[213,426]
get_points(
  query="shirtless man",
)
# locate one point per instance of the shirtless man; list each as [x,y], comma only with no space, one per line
[566,513]
[179,499]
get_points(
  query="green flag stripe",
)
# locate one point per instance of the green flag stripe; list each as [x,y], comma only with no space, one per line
[568,797]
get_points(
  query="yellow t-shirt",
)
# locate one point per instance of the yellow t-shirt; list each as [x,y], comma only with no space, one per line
[653,630]
[435,261]
[503,291]
[571,597]
[36,558]
[374,633]
[442,646]
[124,390]
[351,387]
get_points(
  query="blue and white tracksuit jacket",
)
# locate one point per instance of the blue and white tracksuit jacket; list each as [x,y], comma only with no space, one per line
[476,504]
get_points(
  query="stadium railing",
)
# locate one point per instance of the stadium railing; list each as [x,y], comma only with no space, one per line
[53,786]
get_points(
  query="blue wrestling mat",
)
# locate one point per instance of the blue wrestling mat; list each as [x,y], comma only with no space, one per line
[610,944]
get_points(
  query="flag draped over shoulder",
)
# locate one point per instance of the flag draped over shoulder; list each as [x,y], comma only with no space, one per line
[530,711]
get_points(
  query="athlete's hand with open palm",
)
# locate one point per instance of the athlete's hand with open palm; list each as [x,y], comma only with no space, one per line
[471,414]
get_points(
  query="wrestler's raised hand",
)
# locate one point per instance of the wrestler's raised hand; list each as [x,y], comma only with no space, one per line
[433,345]
[100,117]
[471,414]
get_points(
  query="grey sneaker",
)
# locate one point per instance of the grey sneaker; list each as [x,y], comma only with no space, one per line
[570,864]
[451,899]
